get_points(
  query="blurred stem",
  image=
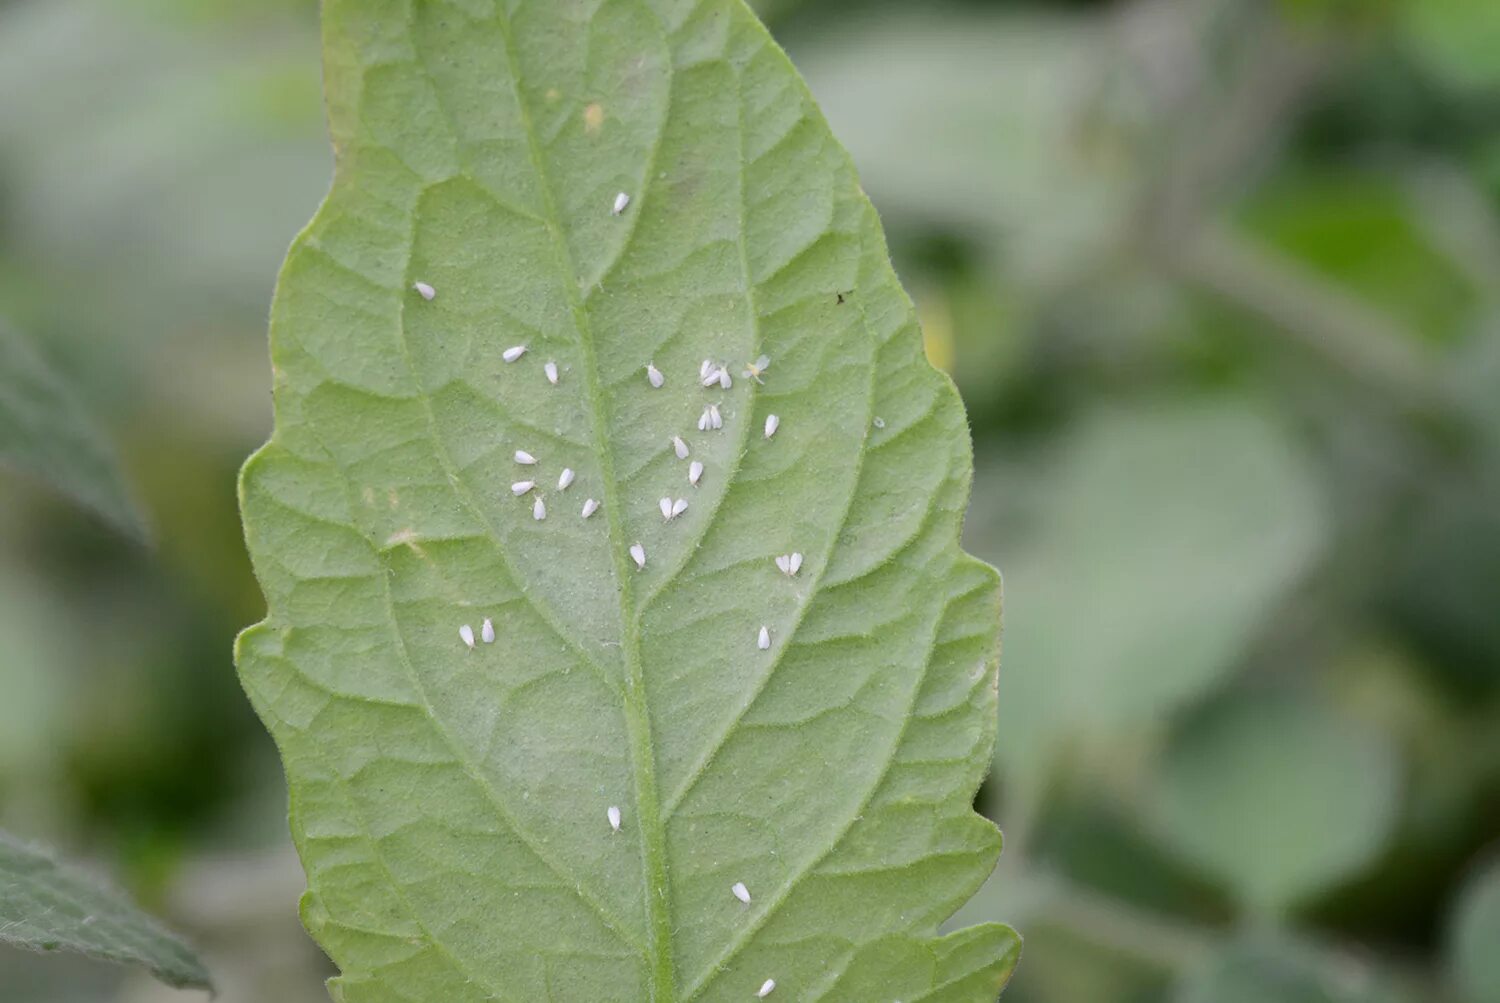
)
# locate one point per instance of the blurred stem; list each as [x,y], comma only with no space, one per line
[1158,940]
[1339,327]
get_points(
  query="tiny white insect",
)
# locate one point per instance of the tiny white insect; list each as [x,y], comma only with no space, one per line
[680,447]
[539,509]
[704,369]
[425,291]
[711,377]
[638,554]
[754,370]
[551,370]
[741,892]
[725,380]
[679,506]
[467,633]
[487,631]
[654,375]
[589,508]
[614,817]
[705,420]
[765,989]
[565,478]
[796,563]
[789,564]
[521,487]
[621,202]
[513,353]
[879,422]
[715,419]
[695,473]
[666,508]
[763,642]
[524,457]
[772,424]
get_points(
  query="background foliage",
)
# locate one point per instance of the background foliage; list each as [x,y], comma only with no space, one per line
[1220,282]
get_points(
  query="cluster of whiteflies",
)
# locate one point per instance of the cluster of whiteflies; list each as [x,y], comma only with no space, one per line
[711,375]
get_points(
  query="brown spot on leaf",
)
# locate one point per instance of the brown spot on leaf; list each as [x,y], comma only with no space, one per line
[593,118]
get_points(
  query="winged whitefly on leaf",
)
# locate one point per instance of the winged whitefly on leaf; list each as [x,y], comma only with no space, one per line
[447,802]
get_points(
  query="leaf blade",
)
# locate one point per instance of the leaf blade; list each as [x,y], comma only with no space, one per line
[47,906]
[480,152]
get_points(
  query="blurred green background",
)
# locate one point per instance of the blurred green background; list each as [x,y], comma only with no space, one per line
[1220,283]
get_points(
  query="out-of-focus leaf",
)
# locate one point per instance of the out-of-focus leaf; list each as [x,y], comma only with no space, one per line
[1276,796]
[1281,971]
[1457,39]
[1363,233]
[48,906]
[46,432]
[816,733]
[1474,941]
[1024,152]
[1158,543]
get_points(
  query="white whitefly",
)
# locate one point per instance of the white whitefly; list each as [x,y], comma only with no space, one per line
[704,369]
[705,420]
[764,643]
[666,508]
[741,892]
[551,370]
[589,508]
[755,370]
[638,554]
[524,457]
[765,989]
[565,478]
[521,487]
[725,380]
[487,631]
[789,564]
[425,291]
[715,419]
[772,424]
[654,375]
[622,201]
[614,817]
[467,633]
[539,509]
[796,560]
[879,422]
[679,506]
[695,473]
[513,353]
[680,447]
[712,376]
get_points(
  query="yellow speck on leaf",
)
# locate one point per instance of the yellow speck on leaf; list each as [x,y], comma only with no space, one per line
[593,118]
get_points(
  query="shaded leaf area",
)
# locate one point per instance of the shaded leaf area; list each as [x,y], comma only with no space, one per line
[48,906]
[1280,969]
[46,432]
[815,735]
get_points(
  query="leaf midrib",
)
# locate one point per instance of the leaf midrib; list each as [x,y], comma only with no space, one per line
[661,969]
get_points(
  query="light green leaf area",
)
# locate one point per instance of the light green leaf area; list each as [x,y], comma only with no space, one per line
[1472,957]
[47,906]
[1158,545]
[46,432]
[1276,796]
[1281,971]
[451,805]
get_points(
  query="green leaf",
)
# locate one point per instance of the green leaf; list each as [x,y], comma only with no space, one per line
[1472,958]
[47,433]
[1277,796]
[1281,970]
[48,906]
[1155,548]
[450,804]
